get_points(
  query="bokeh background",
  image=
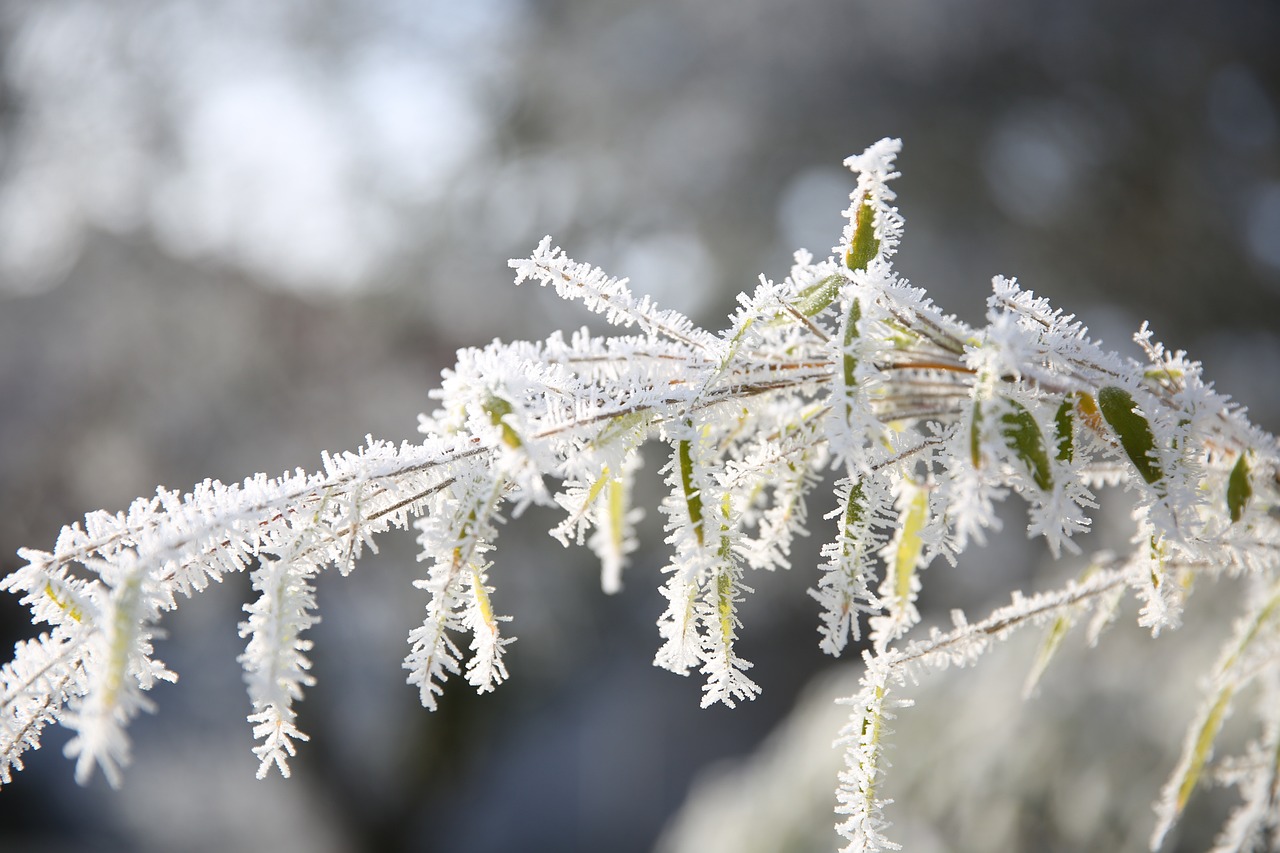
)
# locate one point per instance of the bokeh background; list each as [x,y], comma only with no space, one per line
[235,234]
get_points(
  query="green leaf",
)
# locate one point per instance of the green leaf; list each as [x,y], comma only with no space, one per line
[852,512]
[851,335]
[1022,435]
[1063,421]
[1239,489]
[1133,430]
[816,297]
[865,245]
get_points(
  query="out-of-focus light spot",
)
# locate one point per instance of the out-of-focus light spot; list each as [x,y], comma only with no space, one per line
[1240,113]
[1262,229]
[674,268]
[238,134]
[82,165]
[40,240]
[419,121]
[530,197]
[1242,363]
[650,46]
[1035,160]
[808,213]
[691,142]
[267,180]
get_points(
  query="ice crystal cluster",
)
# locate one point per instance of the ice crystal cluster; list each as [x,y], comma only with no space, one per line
[842,372]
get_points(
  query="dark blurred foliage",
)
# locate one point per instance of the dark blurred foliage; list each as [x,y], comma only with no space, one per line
[233,235]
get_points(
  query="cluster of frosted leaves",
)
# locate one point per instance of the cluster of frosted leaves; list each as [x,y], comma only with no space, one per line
[843,372]
[103,588]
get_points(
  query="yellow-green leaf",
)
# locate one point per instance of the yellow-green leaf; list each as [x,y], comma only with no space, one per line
[618,426]
[482,599]
[724,603]
[692,499]
[497,409]
[734,344]
[617,513]
[597,487]
[975,435]
[65,605]
[872,730]
[910,547]
[816,297]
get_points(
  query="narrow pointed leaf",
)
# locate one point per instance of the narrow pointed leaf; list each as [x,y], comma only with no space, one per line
[692,499]
[1239,489]
[815,298]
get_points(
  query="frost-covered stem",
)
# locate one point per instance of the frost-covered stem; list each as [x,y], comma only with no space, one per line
[118,668]
[964,643]
[844,371]
[43,676]
[863,738]
[276,668]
